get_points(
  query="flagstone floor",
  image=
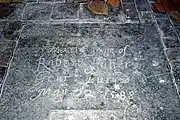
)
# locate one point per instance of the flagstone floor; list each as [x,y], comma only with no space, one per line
[58,61]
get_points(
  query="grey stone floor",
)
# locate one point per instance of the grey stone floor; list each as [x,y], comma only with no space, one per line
[58,61]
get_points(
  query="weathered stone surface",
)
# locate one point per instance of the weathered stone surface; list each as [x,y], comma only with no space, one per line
[160,15]
[127,1]
[62,1]
[146,16]
[2,75]
[37,11]
[6,51]
[86,115]
[12,30]
[84,71]
[59,1]
[131,11]
[30,0]
[94,66]
[45,0]
[142,5]
[171,42]
[166,28]
[176,73]
[151,1]
[2,27]
[65,11]
[174,54]
[177,28]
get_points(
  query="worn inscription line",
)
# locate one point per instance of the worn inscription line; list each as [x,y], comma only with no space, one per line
[124,50]
[42,62]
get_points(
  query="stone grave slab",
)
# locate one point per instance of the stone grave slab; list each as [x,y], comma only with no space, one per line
[91,72]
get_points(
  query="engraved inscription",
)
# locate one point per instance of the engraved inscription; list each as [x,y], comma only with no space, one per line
[66,67]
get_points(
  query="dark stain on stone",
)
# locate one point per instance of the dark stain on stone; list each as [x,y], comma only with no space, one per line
[12,30]
[5,11]
[102,104]
[2,73]
[92,76]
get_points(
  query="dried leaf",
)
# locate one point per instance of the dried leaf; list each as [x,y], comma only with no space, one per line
[5,11]
[99,7]
[171,7]
[114,3]
[175,15]
[158,7]
[165,5]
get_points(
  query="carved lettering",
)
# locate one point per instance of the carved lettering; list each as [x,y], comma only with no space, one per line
[102,66]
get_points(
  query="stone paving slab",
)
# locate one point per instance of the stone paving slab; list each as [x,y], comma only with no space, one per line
[174,57]
[143,5]
[31,10]
[65,11]
[65,70]
[37,11]
[71,11]
[2,27]
[166,28]
[123,68]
